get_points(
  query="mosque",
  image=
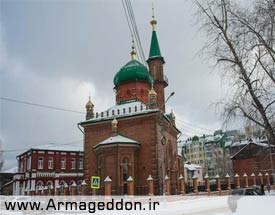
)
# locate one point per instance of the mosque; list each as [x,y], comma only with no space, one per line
[134,138]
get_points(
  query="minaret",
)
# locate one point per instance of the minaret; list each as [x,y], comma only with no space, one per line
[172,118]
[89,109]
[155,63]
[152,98]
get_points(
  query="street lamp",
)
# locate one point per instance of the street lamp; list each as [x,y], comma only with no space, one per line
[163,142]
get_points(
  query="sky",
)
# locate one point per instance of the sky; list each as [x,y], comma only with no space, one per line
[59,52]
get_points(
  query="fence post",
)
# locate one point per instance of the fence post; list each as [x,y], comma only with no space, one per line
[261,177]
[237,177]
[66,189]
[267,178]
[83,188]
[107,186]
[254,179]
[182,184]
[73,189]
[150,181]
[168,187]
[218,183]
[228,182]
[195,184]
[130,184]
[207,184]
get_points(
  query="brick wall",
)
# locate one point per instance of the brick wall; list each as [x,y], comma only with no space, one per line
[147,130]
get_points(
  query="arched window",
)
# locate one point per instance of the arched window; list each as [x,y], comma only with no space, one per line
[125,169]
[39,185]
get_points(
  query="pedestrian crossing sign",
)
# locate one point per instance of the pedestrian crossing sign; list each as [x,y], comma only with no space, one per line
[95,182]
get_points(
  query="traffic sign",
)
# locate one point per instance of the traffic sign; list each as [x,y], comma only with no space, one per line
[95,182]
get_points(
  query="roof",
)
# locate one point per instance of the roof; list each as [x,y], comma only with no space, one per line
[251,149]
[117,139]
[132,71]
[57,147]
[60,147]
[192,167]
[154,48]
[121,110]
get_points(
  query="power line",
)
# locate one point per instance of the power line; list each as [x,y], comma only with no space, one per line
[50,145]
[129,13]
[41,105]
[194,126]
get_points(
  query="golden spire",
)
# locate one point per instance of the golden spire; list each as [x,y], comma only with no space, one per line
[172,114]
[114,126]
[89,109]
[153,22]
[89,105]
[133,52]
[152,92]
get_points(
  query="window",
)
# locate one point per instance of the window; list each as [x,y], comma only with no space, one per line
[21,166]
[50,163]
[29,161]
[63,163]
[80,165]
[73,163]
[125,169]
[40,163]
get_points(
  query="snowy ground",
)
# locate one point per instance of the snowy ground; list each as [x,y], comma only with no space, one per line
[172,205]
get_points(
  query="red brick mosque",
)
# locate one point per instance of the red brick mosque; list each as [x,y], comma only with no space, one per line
[135,137]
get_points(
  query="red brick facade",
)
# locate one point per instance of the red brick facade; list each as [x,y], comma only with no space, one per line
[40,168]
[156,71]
[133,91]
[255,159]
[144,161]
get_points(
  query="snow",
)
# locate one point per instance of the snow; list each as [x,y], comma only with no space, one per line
[61,147]
[121,110]
[117,139]
[192,167]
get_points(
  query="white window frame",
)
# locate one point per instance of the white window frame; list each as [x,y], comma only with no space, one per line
[63,163]
[29,161]
[80,163]
[73,163]
[40,163]
[50,163]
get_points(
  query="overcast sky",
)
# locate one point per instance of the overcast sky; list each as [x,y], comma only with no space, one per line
[58,52]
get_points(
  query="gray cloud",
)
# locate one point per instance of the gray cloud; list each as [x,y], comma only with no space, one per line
[57,53]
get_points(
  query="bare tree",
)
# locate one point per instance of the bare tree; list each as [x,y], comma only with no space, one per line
[242,41]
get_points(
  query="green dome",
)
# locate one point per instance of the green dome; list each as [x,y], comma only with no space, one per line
[132,71]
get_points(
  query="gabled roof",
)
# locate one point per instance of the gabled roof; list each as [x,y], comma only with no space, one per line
[118,139]
[251,150]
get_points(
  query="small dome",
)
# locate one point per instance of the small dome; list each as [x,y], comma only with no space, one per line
[89,104]
[132,71]
[152,93]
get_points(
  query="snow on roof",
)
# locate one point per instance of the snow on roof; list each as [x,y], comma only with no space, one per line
[192,167]
[60,147]
[117,139]
[247,144]
[121,110]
